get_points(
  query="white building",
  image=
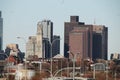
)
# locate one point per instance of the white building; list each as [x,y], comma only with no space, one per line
[34,44]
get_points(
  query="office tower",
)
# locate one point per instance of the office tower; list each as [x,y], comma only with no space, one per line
[34,44]
[40,44]
[100,42]
[56,45]
[90,41]
[47,29]
[47,37]
[1,31]
[39,37]
[80,41]
[68,26]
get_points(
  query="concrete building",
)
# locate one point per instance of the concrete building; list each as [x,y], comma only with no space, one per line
[80,41]
[34,44]
[68,26]
[14,49]
[90,41]
[40,44]
[47,37]
[1,31]
[47,29]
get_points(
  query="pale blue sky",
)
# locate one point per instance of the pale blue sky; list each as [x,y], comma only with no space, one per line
[21,17]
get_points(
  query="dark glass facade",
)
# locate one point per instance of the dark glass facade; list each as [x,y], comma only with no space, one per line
[56,45]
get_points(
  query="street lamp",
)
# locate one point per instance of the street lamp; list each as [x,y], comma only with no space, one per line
[25,54]
[51,44]
[24,42]
[74,57]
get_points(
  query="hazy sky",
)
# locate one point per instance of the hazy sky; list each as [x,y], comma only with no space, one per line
[21,16]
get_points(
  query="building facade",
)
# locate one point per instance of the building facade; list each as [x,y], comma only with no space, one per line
[1,31]
[47,29]
[47,37]
[68,26]
[100,42]
[34,44]
[90,41]
[80,41]
[40,44]
[56,45]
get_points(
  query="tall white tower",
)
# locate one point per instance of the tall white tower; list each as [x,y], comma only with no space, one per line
[47,29]
[39,37]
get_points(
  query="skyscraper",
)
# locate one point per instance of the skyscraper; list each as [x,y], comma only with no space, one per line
[90,41]
[100,42]
[47,37]
[40,44]
[47,29]
[1,31]
[80,41]
[68,26]
[34,44]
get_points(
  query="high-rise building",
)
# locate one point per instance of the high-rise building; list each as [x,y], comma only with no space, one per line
[90,41]
[40,44]
[34,44]
[100,42]
[47,37]
[1,31]
[47,29]
[68,26]
[80,41]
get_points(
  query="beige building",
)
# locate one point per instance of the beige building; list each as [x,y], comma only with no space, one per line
[34,44]
[14,49]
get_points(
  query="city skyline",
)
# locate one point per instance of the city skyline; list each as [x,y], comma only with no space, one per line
[20,18]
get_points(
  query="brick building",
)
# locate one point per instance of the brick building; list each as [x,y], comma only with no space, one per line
[90,41]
